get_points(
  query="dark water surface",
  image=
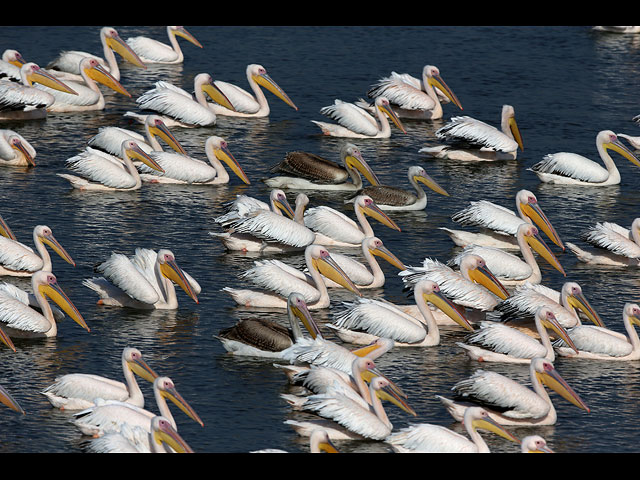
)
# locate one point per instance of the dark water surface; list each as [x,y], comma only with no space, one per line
[566,84]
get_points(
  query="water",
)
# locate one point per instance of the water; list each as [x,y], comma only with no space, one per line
[566,84]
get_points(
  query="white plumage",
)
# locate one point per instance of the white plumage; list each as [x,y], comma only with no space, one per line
[153,51]
[16,150]
[617,245]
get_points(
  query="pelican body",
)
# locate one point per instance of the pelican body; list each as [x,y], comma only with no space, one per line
[153,51]
[15,150]
[617,246]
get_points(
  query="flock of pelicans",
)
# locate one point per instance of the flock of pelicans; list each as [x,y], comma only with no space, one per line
[487,289]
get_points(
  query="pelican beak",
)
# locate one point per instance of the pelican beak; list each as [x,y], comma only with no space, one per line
[9,401]
[543,250]
[580,302]
[182,32]
[167,434]
[18,145]
[302,313]
[121,48]
[560,331]
[431,183]
[541,449]
[4,338]
[138,154]
[515,131]
[374,211]
[328,267]
[372,373]
[484,277]
[55,293]
[624,151]
[284,206]
[140,368]
[356,161]
[223,154]
[437,82]
[173,395]
[266,81]
[384,252]
[100,75]
[55,245]
[494,427]
[217,96]
[162,131]
[393,116]
[327,447]
[448,307]
[388,394]
[173,272]
[48,80]
[535,213]
[5,231]
[18,61]
[552,379]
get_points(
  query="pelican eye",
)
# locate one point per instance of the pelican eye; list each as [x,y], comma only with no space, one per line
[547,367]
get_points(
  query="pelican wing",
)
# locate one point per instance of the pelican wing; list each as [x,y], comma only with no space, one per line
[527,298]
[180,167]
[100,167]
[352,117]
[320,352]
[239,208]
[69,61]
[27,298]
[16,256]
[130,278]
[489,215]
[406,94]
[596,340]
[241,100]
[311,167]
[573,166]
[500,338]
[15,314]
[429,438]
[272,227]
[176,103]
[15,96]
[84,96]
[333,224]
[270,274]
[111,415]
[356,271]
[468,132]
[613,237]
[87,387]
[110,140]
[151,50]
[502,264]
[387,195]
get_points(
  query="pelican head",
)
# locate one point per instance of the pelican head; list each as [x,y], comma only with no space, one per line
[297,307]
[259,74]
[204,82]
[182,32]
[478,417]
[220,149]
[353,159]
[368,371]
[379,346]
[170,269]
[576,299]
[547,319]
[156,127]
[280,202]
[44,234]
[17,144]
[13,57]
[381,386]
[47,285]
[5,231]
[134,361]
[533,238]
[114,42]
[527,203]
[9,401]
[432,74]
[166,389]
[535,444]
[509,124]
[376,247]
[546,373]
[430,292]
[96,72]
[382,104]
[320,442]
[322,262]
[632,312]
[162,432]
[609,141]
[367,206]
[30,73]
[477,270]
[419,174]
[134,152]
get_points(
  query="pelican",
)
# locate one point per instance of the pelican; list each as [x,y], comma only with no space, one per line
[18,260]
[281,280]
[77,391]
[598,343]
[244,205]
[110,415]
[319,442]
[179,108]
[496,342]
[7,399]
[534,444]
[430,438]
[617,29]
[510,269]
[335,228]
[469,139]
[618,246]
[509,402]
[10,65]
[178,168]
[67,63]
[264,338]
[153,51]
[103,172]
[572,169]
[307,171]
[413,101]
[15,150]
[21,321]
[144,281]
[362,321]
[634,141]
[23,101]
[500,224]
[393,198]
[355,122]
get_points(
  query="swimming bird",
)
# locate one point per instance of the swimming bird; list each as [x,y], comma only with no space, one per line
[77,391]
[319,442]
[572,169]
[468,139]
[534,444]
[617,246]
[7,400]
[308,171]
[10,65]
[153,51]
[16,150]
[143,281]
[509,402]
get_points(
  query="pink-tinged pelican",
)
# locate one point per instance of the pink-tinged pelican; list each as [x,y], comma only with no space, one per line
[356,122]
[143,281]
[565,168]
[153,51]
[509,402]
[617,246]
[471,140]
[534,444]
[7,399]
[15,150]
[10,65]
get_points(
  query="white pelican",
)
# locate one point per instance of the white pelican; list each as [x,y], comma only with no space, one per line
[468,139]
[10,65]
[496,342]
[500,224]
[77,391]
[110,415]
[67,63]
[244,205]
[18,260]
[431,438]
[21,321]
[266,338]
[15,150]
[153,51]
[509,402]
[618,246]
[597,343]
[23,101]
[413,98]
[307,171]
[179,168]
[355,122]
[388,197]
[511,269]
[534,444]
[281,280]
[633,141]
[572,169]
[617,29]
[362,321]
[100,171]
[144,281]
[243,104]
[7,400]
[177,107]
[335,228]
[319,442]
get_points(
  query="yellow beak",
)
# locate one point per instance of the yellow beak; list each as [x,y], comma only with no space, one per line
[357,162]
[163,132]
[18,145]
[560,331]
[306,319]
[328,267]
[539,246]
[383,252]
[5,231]
[513,126]
[223,154]
[580,302]
[217,96]
[9,401]
[374,211]
[266,81]
[173,395]
[492,426]
[624,151]
[4,338]
[167,434]
[484,277]
[100,75]
[121,48]
[444,304]
[48,80]
[554,381]
[140,368]
[138,154]
[55,245]
[431,183]
[392,115]
[535,213]
[437,82]
[55,293]
[173,272]
[182,32]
